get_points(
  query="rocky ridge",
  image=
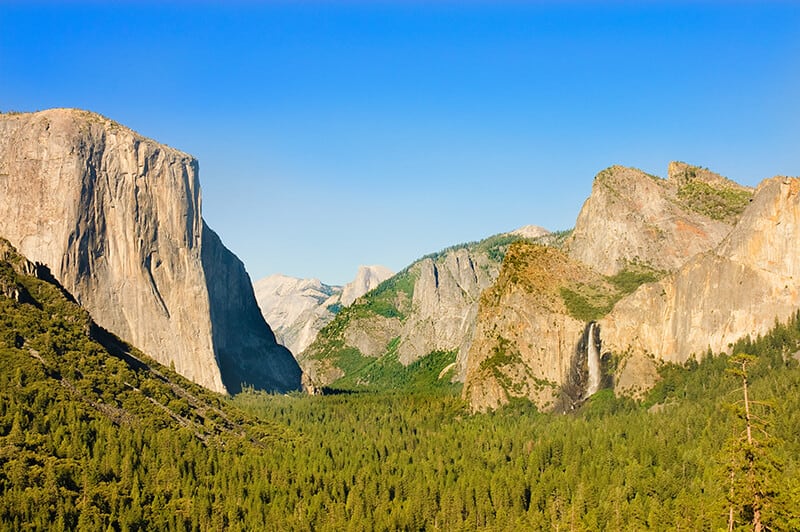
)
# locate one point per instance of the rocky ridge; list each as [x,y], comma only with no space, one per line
[117,218]
[634,217]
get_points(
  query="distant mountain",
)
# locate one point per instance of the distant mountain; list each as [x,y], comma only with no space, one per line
[117,219]
[367,278]
[298,308]
[530,231]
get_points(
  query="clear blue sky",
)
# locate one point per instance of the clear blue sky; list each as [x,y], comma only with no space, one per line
[336,134]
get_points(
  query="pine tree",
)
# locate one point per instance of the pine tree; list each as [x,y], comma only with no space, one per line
[752,467]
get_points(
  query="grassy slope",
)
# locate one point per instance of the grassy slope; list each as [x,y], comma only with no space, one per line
[592,301]
[717,199]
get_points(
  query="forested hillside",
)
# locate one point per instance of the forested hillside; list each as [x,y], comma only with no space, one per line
[94,433]
[95,436]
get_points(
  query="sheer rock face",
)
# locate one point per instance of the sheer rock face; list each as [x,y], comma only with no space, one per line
[445,305]
[524,339]
[116,218]
[298,309]
[751,279]
[633,217]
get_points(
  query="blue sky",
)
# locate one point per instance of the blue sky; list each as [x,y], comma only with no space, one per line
[334,134]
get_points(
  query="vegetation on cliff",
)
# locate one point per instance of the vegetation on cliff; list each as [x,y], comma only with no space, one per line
[708,194]
[588,301]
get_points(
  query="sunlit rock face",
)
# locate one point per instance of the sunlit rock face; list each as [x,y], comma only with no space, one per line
[367,278]
[633,217]
[741,287]
[296,309]
[528,342]
[525,339]
[434,304]
[117,218]
[445,304]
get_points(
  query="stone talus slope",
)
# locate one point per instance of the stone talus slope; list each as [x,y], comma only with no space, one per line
[117,218]
[631,216]
[742,287]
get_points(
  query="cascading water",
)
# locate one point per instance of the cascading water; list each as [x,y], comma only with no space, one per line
[585,375]
[592,362]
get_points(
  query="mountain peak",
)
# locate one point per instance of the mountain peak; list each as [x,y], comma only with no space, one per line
[530,231]
[632,217]
[367,278]
[298,308]
[682,173]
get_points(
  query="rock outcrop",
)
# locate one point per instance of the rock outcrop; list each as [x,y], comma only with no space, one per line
[297,309]
[717,261]
[741,287]
[633,217]
[530,231]
[525,338]
[445,304]
[117,219]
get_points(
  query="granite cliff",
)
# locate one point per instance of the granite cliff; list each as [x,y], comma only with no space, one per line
[525,337]
[634,217]
[367,278]
[536,326]
[117,219]
[741,287]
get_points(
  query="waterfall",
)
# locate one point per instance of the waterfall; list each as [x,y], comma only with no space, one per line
[585,371]
[592,362]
